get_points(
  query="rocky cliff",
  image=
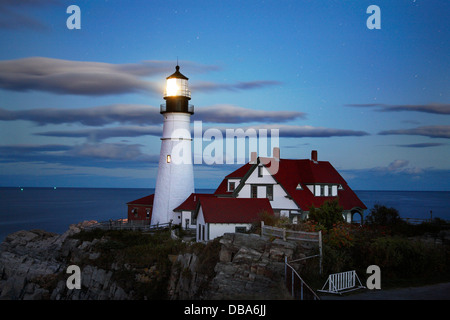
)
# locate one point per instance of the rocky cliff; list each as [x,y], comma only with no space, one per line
[33,266]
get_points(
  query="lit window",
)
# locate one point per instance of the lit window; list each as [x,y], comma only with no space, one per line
[169,158]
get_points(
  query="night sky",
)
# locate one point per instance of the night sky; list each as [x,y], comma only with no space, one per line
[80,107]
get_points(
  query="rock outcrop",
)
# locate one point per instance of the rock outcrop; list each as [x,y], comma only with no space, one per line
[248,267]
[33,266]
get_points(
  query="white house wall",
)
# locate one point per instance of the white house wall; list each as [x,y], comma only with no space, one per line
[279,195]
[219,229]
[187,215]
[200,223]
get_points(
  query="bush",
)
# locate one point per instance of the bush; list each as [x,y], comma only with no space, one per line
[403,258]
[383,216]
[328,214]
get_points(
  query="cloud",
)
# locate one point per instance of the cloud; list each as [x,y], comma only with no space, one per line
[438,131]
[12,16]
[95,116]
[234,114]
[143,115]
[86,78]
[99,78]
[74,77]
[287,131]
[105,133]
[435,108]
[115,151]
[397,164]
[294,131]
[245,85]
[420,145]
[87,154]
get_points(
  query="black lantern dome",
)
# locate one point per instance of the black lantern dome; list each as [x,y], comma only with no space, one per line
[177,94]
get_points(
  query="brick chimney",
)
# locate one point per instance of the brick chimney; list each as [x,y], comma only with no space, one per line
[314,156]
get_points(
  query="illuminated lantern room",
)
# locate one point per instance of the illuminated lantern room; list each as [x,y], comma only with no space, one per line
[177,94]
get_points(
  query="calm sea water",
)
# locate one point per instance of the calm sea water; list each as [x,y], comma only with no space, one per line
[55,209]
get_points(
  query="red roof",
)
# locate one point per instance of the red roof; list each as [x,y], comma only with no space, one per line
[303,172]
[190,204]
[147,201]
[291,173]
[239,173]
[234,210]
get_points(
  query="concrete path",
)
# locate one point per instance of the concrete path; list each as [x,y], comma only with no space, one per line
[439,291]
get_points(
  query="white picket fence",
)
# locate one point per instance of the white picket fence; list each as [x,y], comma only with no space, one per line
[342,282]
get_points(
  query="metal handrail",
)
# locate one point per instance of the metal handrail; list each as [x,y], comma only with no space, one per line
[302,282]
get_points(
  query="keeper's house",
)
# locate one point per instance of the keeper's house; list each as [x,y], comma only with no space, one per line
[282,187]
[292,186]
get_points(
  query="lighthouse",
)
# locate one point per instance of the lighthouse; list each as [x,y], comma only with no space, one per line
[175,180]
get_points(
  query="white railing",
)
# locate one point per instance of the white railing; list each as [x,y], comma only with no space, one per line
[342,282]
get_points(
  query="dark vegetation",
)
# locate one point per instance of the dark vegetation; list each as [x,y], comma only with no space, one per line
[407,254]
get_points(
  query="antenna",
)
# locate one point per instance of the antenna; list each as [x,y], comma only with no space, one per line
[177,60]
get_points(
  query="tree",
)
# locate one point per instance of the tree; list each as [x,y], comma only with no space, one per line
[383,216]
[328,214]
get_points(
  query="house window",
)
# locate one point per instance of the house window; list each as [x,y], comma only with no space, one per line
[334,190]
[269,192]
[148,213]
[135,212]
[231,186]
[240,229]
[254,191]
[260,171]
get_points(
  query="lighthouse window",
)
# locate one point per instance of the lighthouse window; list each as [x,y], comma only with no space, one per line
[169,158]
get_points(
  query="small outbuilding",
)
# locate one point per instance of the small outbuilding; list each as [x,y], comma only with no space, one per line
[217,216]
[141,209]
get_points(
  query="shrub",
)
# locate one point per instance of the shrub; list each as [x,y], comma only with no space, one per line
[328,214]
[383,216]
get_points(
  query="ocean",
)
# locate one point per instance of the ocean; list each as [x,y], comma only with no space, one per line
[55,209]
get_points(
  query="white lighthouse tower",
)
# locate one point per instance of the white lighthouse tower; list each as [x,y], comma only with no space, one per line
[175,181]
